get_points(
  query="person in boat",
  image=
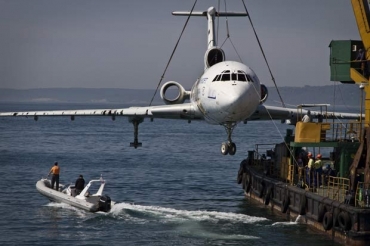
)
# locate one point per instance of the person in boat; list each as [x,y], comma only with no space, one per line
[307,117]
[300,170]
[300,164]
[309,170]
[327,171]
[317,171]
[79,184]
[55,170]
[300,160]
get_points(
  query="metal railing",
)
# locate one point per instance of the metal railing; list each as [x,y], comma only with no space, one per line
[344,131]
[337,188]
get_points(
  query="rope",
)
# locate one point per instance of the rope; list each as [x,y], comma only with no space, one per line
[257,90]
[228,37]
[340,91]
[218,20]
[236,50]
[173,52]
[263,53]
[227,22]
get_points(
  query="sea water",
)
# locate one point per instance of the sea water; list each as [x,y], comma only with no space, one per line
[177,189]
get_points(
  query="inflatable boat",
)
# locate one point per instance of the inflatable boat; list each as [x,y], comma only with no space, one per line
[85,200]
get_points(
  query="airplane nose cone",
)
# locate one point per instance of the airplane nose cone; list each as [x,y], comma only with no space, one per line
[239,101]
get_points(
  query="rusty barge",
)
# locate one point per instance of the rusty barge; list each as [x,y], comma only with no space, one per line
[273,177]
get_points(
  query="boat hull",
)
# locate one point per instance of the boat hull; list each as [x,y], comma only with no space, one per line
[344,223]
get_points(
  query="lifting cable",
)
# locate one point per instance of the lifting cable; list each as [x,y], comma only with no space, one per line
[263,53]
[173,52]
[273,79]
[218,20]
[228,37]
[337,88]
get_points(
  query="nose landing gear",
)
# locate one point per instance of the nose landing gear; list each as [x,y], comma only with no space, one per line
[228,147]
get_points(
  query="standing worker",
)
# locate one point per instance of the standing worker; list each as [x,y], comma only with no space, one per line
[300,170]
[55,170]
[309,169]
[310,160]
[307,117]
[318,170]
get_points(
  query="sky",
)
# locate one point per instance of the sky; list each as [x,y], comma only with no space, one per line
[127,44]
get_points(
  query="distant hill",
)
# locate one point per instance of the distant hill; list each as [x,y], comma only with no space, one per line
[340,94]
[344,94]
[78,95]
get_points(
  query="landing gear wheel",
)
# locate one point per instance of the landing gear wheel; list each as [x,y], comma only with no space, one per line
[232,148]
[224,148]
[229,147]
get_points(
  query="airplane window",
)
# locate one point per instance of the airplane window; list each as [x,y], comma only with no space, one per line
[216,78]
[249,78]
[234,77]
[241,77]
[225,77]
[226,71]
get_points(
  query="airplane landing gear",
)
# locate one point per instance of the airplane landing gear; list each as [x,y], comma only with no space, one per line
[232,148]
[229,147]
[224,148]
[136,142]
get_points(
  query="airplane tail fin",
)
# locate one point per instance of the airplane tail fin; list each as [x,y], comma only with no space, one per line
[204,13]
[211,13]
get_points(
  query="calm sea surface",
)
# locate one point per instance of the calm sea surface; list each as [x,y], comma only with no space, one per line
[175,190]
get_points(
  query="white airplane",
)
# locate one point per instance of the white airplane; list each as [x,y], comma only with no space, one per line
[227,93]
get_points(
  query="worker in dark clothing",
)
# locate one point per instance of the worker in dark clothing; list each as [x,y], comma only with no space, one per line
[80,184]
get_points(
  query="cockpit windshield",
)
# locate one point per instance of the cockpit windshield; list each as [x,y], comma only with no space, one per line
[233,76]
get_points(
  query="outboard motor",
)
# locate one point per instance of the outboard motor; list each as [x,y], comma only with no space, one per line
[104,203]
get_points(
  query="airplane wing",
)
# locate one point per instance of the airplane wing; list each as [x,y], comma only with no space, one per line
[175,111]
[185,111]
[135,115]
[181,111]
[265,112]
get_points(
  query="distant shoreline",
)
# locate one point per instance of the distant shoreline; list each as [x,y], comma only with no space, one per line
[345,95]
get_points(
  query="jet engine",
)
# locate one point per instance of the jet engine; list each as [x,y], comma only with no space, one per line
[181,96]
[213,56]
[264,93]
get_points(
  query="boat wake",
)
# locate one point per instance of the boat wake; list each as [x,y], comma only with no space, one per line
[285,223]
[79,212]
[186,222]
[299,220]
[198,231]
[170,214]
[192,223]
